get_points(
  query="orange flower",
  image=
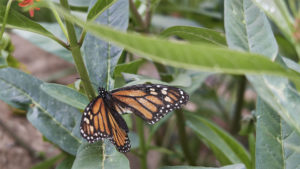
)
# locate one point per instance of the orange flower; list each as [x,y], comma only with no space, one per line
[25,3]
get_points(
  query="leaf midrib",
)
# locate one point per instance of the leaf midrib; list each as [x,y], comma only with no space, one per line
[41,108]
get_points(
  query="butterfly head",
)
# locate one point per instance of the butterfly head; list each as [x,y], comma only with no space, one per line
[102,92]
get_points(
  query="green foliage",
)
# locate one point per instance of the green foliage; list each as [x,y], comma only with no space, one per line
[66,95]
[235,166]
[196,34]
[92,156]
[49,163]
[46,114]
[102,56]
[185,56]
[227,150]
[66,163]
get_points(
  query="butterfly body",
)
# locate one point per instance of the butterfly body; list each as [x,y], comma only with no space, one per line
[102,116]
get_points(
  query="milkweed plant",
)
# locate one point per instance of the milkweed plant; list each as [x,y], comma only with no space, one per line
[217,51]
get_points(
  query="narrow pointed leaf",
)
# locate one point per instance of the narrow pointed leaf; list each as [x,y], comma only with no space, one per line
[131,67]
[220,141]
[201,57]
[196,34]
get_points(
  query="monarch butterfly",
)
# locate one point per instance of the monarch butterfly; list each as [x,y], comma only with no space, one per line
[102,116]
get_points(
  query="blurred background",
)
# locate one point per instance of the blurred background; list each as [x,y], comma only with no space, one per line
[226,100]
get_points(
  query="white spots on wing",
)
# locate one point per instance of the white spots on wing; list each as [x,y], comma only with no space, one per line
[152,89]
[168,99]
[154,93]
[168,106]
[164,92]
[158,86]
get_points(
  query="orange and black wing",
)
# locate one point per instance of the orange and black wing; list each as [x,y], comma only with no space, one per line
[100,121]
[149,101]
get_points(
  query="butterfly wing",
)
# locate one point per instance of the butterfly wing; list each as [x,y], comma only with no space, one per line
[149,101]
[100,121]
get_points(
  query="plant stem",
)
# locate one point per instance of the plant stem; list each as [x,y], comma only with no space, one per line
[61,24]
[148,15]
[81,39]
[238,105]
[5,20]
[143,148]
[292,5]
[251,141]
[182,136]
[136,15]
[76,53]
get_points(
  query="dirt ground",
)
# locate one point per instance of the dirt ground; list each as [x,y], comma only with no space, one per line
[12,155]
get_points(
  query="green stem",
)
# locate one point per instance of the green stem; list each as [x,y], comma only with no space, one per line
[238,105]
[292,5]
[143,148]
[183,137]
[137,17]
[61,24]
[75,49]
[251,141]
[5,20]
[81,39]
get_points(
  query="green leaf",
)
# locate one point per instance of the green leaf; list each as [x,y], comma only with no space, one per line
[90,156]
[201,57]
[130,67]
[248,28]
[66,95]
[274,139]
[279,13]
[276,91]
[18,21]
[219,140]
[196,34]
[57,121]
[78,3]
[44,43]
[269,150]
[101,57]
[98,7]
[291,64]
[66,163]
[49,163]
[235,166]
